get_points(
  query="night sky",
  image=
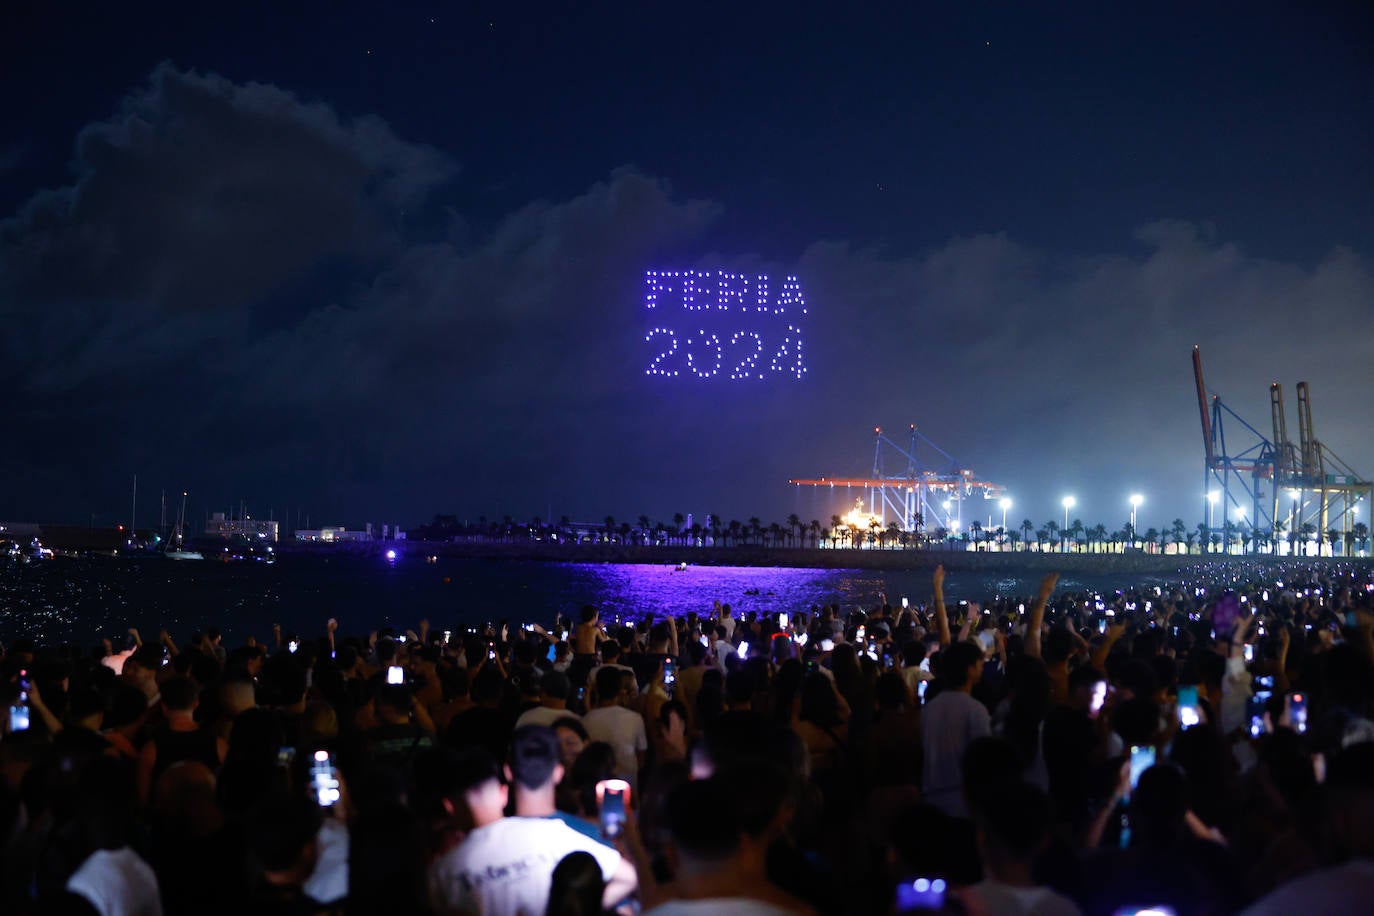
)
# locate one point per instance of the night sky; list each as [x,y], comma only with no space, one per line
[370,265]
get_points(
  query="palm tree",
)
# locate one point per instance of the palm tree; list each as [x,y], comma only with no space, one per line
[1332,536]
[942,535]
[1076,529]
[610,527]
[1026,528]
[894,532]
[736,532]
[1361,532]
[815,532]
[678,521]
[1053,527]
[1151,537]
[1099,534]
[775,532]
[794,522]
[1203,533]
[1308,531]
[1178,527]
[835,522]
[975,532]
[1013,538]
[1041,536]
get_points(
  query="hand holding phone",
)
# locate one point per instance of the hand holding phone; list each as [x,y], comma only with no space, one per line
[395,674]
[324,779]
[613,797]
[1189,713]
[1142,758]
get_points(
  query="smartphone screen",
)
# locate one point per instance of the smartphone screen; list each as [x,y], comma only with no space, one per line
[783,622]
[325,779]
[669,672]
[292,646]
[1099,698]
[905,602]
[395,675]
[1297,712]
[743,650]
[19,718]
[1188,712]
[612,795]
[859,634]
[921,895]
[1142,758]
[1254,711]
[921,690]
[1102,626]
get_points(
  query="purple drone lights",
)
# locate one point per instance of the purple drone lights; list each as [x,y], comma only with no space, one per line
[718,324]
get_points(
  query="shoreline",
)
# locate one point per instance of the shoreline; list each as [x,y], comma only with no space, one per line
[805,557]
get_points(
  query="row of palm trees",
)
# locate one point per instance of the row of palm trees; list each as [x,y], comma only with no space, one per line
[840,534]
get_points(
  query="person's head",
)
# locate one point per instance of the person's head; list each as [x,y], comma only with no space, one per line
[961,665]
[281,831]
[236,695]
[184,800]
[610,652]
[913,653]
[180,696]
[819,705]
[989,763]
[534,759]
[553,689]
[319,721]
[394,703]
[589,614]
[1084,682]
[477,782]
[1159,804]
[142,666]
[572,738]
[609,685]
[1013,826]
[1058,646]
[577,886]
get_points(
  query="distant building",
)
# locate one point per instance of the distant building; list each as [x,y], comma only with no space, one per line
[253,528]
[331,535]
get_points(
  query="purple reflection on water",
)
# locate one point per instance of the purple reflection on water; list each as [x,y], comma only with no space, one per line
[634,590]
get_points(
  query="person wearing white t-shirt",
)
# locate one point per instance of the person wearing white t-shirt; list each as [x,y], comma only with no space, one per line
[621,728]
[949,723]
[505,865]
[1013,828]
[553,702]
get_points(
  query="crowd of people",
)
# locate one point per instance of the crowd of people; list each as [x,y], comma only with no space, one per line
[1191,749]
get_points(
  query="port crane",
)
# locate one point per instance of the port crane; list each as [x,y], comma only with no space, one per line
[934,496]
[1265,477]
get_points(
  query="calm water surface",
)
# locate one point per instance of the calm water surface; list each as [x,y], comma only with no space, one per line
[83,600]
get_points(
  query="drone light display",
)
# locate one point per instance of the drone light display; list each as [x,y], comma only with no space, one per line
[708,325]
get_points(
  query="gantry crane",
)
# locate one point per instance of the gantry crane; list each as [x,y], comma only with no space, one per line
[933,497]
[1253,484]
[1311,468]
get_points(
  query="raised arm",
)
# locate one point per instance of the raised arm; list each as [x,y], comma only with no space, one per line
[1037,614]
[938,599]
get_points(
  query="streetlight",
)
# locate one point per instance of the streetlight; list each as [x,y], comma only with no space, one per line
[1136,500]
[1240,523]
[1212,497]
[1005,504]
[1069,502]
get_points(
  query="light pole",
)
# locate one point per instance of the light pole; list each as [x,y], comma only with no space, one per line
[1240,523]
[1069,502]
[1136,500]
[1005,504]
[1212,497]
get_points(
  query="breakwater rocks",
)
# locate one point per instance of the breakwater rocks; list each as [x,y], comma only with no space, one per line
[1132,563]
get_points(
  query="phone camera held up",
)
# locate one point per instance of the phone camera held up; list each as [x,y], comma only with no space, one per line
[613,796]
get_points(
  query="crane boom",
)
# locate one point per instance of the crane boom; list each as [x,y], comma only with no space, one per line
[1202,408]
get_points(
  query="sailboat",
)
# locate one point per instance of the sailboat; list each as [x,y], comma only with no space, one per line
[175,549]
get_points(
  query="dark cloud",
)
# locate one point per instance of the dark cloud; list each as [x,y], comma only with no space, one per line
[248,295]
